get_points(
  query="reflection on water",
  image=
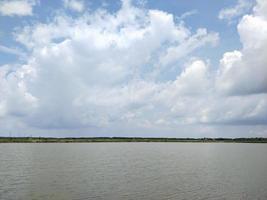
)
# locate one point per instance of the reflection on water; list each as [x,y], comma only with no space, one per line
[133,171]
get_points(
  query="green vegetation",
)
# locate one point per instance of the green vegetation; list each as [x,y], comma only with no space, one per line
[125,139]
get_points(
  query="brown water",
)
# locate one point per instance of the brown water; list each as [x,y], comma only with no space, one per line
[133,171]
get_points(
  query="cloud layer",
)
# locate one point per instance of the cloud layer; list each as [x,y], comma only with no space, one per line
[108,71]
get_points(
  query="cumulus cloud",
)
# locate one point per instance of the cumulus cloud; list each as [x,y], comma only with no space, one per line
[239,9]
[107,65]
[15,99]
[17,7]
[244,71]
[75,5]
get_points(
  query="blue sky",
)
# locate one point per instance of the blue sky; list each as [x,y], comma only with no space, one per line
[133,68]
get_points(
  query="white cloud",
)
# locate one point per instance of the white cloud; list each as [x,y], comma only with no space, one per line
[239,9]
[201,38]
[103,74]
[245,71]
[17,7]
[193,80]
[75,5]
[187,14]
[15,98]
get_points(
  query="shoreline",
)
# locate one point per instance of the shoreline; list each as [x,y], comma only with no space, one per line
[127,139]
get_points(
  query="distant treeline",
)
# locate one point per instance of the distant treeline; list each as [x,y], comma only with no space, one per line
[125,139]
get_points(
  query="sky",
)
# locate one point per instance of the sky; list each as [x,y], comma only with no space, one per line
[142,68]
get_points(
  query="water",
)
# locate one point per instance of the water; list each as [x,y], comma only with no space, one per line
[133,171]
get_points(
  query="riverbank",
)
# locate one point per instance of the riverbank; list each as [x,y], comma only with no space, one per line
[125,139]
